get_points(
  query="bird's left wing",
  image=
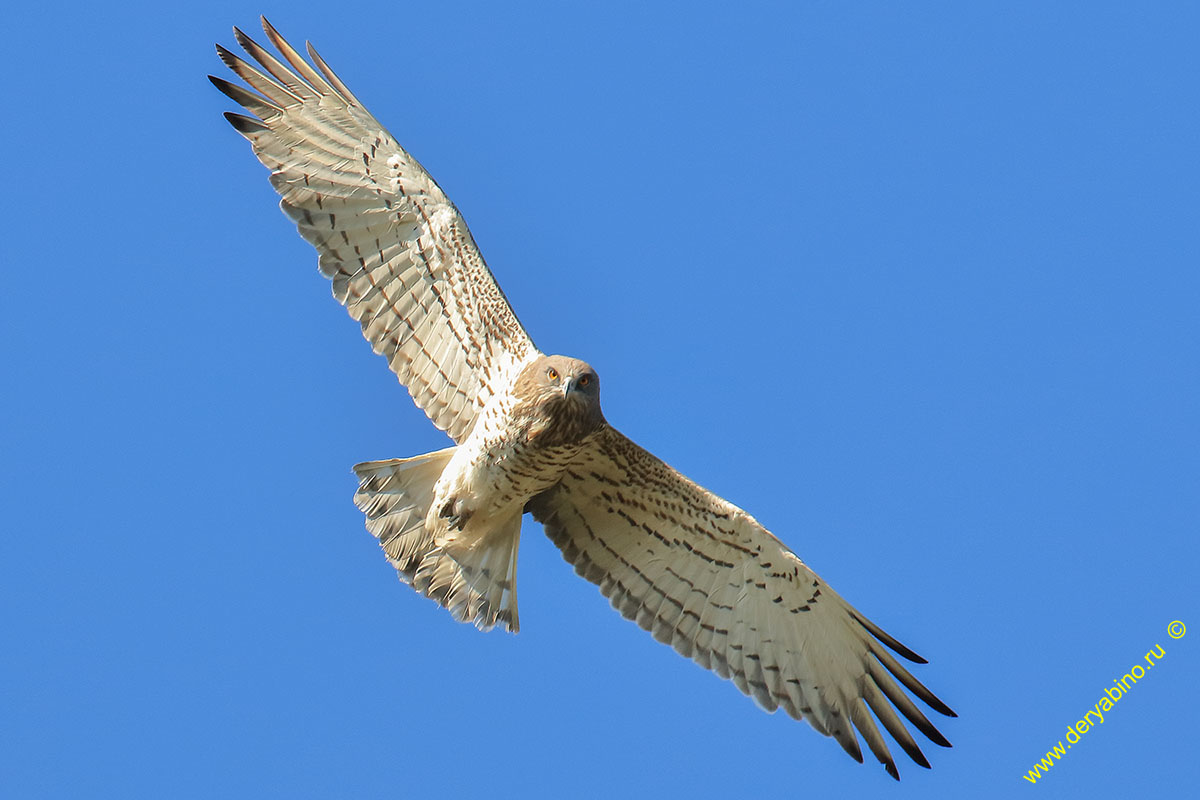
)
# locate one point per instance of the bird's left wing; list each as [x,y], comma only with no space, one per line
[705,577]
[398,252]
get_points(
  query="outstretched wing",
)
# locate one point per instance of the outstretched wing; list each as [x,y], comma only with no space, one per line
[400,256]
[705,577]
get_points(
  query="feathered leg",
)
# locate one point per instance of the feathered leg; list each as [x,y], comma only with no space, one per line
[472,572]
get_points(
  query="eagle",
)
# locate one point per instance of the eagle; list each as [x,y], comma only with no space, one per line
[696,571]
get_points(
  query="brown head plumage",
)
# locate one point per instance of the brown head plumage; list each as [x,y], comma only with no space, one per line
[561,397]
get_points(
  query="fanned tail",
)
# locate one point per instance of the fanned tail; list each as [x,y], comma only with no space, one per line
[472,574]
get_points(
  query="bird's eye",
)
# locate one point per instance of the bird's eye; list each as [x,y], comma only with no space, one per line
[552,374]
[585,380]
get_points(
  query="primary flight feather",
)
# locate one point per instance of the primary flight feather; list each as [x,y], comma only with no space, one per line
[696,571]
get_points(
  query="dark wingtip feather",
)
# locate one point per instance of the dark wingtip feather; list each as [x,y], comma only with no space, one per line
[247,99]
[267,27]
[937,705]
[849,743]
[225,87]
[875,741]
[331,76]
[901,674]
[244,124]
[917,756]
[226,55]
[877,701]
[885,637]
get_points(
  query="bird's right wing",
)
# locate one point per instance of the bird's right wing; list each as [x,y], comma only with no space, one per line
[705,577]
[400,255]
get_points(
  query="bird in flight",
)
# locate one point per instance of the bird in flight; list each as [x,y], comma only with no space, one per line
[696,571]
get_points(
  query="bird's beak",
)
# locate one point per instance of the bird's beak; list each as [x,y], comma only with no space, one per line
[569,386]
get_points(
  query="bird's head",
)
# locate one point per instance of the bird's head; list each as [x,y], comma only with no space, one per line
[566,393]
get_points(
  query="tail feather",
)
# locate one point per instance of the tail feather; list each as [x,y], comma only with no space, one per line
[473,576]
[395,495]
[476,580]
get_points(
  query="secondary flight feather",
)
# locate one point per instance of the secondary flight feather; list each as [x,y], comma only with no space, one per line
[697,572]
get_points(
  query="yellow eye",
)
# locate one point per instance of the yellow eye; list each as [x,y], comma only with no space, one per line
[552,374]
[585,380]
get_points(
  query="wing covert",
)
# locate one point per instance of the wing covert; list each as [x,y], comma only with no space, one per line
[399,254]
[705,577]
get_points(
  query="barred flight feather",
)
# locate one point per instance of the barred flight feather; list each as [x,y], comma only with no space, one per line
[749,609]
[373,213]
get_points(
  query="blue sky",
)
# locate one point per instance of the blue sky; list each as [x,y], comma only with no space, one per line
[916,286]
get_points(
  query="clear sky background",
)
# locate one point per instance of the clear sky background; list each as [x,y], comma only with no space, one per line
[915,284]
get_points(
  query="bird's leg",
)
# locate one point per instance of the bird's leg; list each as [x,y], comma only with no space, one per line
[455,513]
